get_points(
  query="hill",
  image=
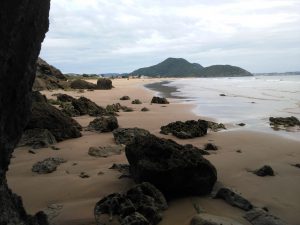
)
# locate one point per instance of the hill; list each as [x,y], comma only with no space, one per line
[178,67]
[171,67]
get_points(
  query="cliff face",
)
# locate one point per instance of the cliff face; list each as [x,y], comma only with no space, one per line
[23,24]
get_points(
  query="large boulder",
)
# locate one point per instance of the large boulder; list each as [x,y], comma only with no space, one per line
[104,84]
[82,84]
[259,216]
[187,129]
[46,116]
[159,100]
[141,205]
[126,135]
[37,138]
[103,124]
[174,169]
[284,121]
[23,25]
[43,68]
[47,165]
[85,106]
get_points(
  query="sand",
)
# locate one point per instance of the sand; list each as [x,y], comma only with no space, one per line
[77,196]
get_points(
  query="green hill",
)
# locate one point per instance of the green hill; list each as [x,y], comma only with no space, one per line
[171,67]
[178,67]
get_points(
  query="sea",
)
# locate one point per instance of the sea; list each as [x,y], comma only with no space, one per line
[250,100]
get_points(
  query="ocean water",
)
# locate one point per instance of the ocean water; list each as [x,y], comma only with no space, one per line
[249,100]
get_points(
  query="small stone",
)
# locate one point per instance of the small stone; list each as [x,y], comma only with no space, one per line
[296,165]
[241,124]
[48,165]
[264,171]
[84,175]
[210,146]
[31,151]
[239,151]
[100,173]
[74,164]
[222,95]
[55,148]
[125,97]
[144,109]
[136,101]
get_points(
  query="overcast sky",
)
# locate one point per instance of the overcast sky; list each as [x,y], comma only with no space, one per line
[100,36]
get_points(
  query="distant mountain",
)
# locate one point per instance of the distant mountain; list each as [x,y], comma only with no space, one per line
[224,71]
[171,67]
[178,67]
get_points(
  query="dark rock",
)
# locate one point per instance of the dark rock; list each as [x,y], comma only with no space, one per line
[135,219]
[46,116]
[84,175]
[141,205]
[126,135]
[113,108]
[284,121]
[82,84]
[174,169]
[296,165]
[234,199]
[43,68]
[136,101]
[106,150]
[104,84]
[192,147]
[216,126]
[37,138]
[65,98]
[239,151]
[38,97]
[241,124]
[144,109]
[264,171]
[222,95]
[259,216]
[208,219]
[125,97]
[103,124]
[86,106]
[31,151]
[48,165]
[210,146]
[68,109]
[55,148]
[122,168]
[187,129]
[158,100]
[23,25]
[127,109]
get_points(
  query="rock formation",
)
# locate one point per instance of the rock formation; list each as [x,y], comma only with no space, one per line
[159,100]
[23,26]
[104,84]
[82,84]
[174,169]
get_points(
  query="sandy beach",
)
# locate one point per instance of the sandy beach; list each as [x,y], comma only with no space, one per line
[77,197]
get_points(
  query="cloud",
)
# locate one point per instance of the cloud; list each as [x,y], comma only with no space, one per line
[97,36]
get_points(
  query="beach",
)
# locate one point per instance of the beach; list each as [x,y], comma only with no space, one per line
[77,197]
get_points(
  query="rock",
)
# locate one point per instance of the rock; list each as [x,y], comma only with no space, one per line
[187,129]
[234,199]
[126,135]
[241,124]
[127,109]
[103,124]
[216,126]
[86,106]
[55,148]
[46,116]
[84,175]
[296,165]
[191,147]
[136,101]
[259,216]
[106,150]
[120,167]
[104,84]
[37,138]
[113,108]
[38,97]
[23,25]
[141,205]
[208,219]
[135,219]
[52,211]
[31,151]
[264,171]
[47,165]
[68,109]
[222,95]
[65,98]
[43,68]
[284,121]
[239,151]
[145,109]
[125,97]
[174,169]
[210,146]
[82,84]
[158,100]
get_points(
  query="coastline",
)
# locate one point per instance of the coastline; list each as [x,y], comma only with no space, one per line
[280,193]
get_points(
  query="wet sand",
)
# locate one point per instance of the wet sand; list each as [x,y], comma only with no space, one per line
[281,193]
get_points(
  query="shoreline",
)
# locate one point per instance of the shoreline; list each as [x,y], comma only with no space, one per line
[279,193]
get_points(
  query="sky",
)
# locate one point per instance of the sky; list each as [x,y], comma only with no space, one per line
[102,36]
